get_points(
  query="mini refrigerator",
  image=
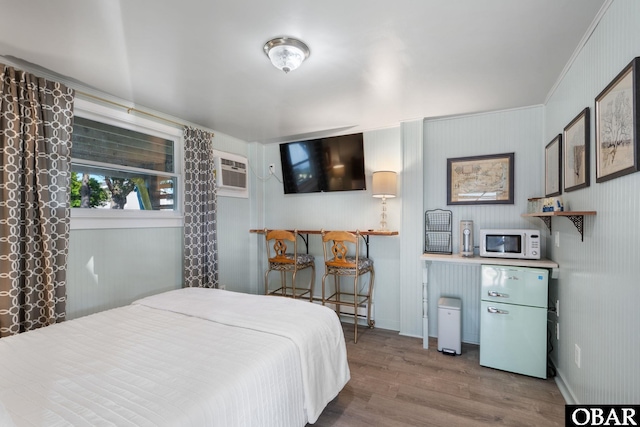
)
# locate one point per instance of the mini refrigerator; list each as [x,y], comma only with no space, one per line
[513,319]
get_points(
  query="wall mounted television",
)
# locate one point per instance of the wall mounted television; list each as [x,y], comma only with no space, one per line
[324,164]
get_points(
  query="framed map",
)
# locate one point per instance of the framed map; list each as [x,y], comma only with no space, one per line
[480,180]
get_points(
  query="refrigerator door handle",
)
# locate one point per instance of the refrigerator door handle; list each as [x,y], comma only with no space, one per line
[494,310]
[497,294]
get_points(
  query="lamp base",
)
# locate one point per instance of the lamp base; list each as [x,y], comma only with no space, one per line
[383,215]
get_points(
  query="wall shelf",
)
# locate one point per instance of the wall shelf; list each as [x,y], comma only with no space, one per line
[576,217]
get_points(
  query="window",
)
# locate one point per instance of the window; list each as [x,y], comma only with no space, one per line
[123,168]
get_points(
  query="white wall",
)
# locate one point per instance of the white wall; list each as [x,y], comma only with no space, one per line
[411,291]
[109,268]
[518,131]
[598,288]
[234,241]
[348,210]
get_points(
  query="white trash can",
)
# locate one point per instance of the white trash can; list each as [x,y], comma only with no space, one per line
[449,326]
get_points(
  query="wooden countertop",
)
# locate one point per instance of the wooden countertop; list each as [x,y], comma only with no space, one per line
[457,258]
[362,232]
[560,213]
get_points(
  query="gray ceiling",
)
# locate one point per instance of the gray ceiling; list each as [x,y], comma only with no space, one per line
[373,63]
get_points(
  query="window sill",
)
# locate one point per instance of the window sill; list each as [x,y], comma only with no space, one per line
[87,219]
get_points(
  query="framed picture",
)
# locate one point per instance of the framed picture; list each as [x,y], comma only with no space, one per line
[553,167]
[617,117]
[576,152]
[480,180]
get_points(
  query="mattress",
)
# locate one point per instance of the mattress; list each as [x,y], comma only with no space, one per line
[189,357]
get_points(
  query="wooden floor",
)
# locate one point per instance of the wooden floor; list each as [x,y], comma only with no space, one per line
[395,382]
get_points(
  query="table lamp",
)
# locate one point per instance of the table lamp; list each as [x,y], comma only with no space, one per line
[384,185]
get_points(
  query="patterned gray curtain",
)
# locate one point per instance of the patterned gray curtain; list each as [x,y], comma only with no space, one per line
[200,240]
[36,122]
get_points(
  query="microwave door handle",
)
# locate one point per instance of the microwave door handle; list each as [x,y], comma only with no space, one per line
[497,294]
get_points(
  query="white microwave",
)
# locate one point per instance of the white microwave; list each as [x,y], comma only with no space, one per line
[515,243]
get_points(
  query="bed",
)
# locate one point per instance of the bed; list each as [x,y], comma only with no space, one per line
[189,357]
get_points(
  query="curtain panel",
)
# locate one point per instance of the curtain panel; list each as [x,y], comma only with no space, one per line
[200,239]
[36,123]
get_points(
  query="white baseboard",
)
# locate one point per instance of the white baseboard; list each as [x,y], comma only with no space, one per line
[565,390]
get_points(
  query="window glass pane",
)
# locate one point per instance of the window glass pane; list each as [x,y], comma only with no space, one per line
[94,187]
[105,143]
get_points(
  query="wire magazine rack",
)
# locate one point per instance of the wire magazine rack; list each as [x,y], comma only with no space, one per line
[437,232]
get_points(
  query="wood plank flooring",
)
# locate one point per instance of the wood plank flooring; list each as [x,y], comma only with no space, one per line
[395,382]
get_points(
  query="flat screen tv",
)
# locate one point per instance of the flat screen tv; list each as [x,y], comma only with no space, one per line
[324,164]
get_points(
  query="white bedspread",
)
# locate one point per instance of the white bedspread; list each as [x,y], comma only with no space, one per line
[191,357]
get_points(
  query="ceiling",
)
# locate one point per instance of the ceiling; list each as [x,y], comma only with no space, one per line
[373,63]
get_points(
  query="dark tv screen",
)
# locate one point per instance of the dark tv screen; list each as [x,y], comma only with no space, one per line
[324,164]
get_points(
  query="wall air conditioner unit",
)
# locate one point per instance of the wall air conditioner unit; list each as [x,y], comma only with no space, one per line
[232,175]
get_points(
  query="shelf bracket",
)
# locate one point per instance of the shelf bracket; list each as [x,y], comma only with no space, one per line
[578,221]
[366,242]
[547,222]
[305,239]
[576,217]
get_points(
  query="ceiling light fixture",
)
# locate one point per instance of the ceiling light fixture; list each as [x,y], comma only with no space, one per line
[286,53]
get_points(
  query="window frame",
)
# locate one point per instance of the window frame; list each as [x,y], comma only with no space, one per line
[127,218]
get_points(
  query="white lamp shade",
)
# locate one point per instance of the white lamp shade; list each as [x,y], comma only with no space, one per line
[384,184]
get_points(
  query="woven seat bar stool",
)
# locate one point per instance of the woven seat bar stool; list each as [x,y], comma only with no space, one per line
[284,261]
[342,258]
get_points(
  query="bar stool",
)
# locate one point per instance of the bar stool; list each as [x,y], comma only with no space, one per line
[281,260]
[338,262]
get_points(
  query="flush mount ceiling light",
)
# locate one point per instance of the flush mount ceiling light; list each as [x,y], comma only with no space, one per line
[286,53]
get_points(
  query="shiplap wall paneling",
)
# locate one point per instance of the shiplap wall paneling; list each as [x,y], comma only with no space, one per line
[344,210]
[383,151]
[598,284]
[456,281]
[518,131]
[347,210]
[411,322]
[109,268]
[233,223]
[234,244]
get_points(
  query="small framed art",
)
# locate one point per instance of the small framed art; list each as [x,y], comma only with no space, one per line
[576,152]
[617,122]
[553,167]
